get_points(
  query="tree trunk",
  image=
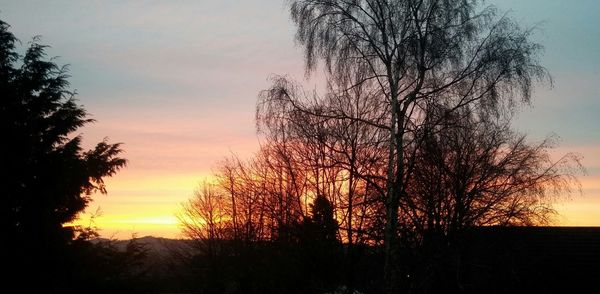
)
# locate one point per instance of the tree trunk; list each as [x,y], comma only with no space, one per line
[394,185]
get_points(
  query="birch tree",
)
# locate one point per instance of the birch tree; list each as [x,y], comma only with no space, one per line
[457,53]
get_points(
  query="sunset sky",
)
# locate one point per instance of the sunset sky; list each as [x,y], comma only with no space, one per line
[177,82]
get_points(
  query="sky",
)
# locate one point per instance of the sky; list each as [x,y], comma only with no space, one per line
[177,83]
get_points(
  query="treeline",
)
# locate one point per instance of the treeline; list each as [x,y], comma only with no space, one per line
[470,170]
[373,187]
[411,146]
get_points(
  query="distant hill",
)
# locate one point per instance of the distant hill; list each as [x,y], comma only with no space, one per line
[157,245]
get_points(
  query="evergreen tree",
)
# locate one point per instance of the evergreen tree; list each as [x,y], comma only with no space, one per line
[325,226]
[46,176]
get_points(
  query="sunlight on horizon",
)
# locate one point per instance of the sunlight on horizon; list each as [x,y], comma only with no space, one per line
[161,220]
[300,146]
[127,226]
[143,213]
[177,84]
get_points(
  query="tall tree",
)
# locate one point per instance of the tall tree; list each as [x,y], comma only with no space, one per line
[474,171]
[46,176]
[415,51]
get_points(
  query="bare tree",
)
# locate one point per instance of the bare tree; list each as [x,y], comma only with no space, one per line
[473,171]
[478,172]
[411,138]
[204,218]
[345,157]
[417,50]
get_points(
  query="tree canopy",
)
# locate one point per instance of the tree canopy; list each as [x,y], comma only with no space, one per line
[411,142]
[417,55]
[47,177]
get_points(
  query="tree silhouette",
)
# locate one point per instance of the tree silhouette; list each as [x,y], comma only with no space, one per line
[319,246]
[474,171]
[47,178]
[324,224]
[409,148]
[452,52]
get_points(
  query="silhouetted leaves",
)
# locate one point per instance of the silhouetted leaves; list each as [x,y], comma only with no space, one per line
[47,178]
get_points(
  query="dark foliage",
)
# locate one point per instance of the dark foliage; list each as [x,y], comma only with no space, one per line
[46,176]
[308,260]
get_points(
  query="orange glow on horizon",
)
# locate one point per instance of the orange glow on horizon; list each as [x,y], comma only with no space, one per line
[126,211]
[141,204]
[581,209]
